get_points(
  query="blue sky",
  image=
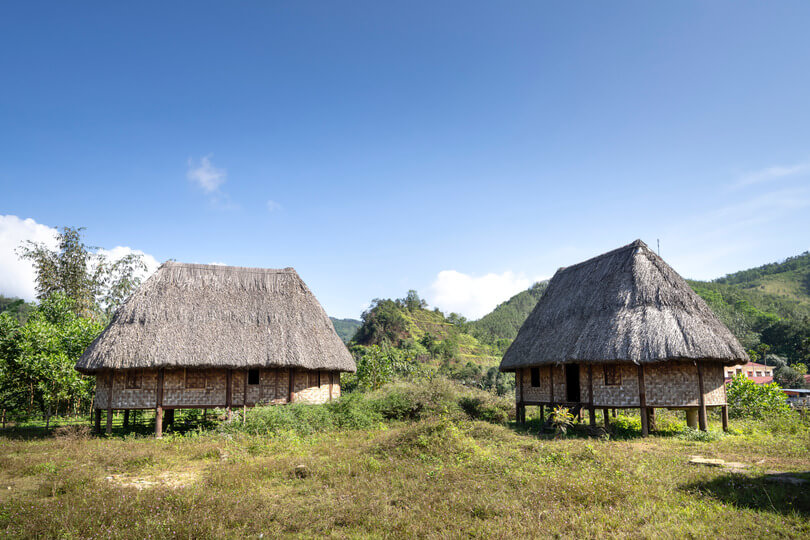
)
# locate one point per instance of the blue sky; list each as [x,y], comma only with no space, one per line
[462,149]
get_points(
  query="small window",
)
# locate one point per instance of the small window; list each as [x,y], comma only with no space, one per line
[133,380]
[195,379]
[613,376]
[535,371]
[253,376]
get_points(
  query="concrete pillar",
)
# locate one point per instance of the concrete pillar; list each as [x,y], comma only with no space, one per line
[692,418]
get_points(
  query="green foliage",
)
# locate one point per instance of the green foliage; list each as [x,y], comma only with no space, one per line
[82,273]
[16,307]
[345,328]
[747,399]
[37,359]
[561,420]
[348,412]
[377,366]
[799,263]
[383,323]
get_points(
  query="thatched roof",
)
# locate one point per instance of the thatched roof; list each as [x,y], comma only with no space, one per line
[199,315]
[626,305]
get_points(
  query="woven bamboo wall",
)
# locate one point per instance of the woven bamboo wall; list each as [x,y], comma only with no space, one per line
[207,388]
[668,384]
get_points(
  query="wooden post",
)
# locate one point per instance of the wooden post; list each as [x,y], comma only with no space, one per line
[542,415]
[606,417]
[591,410]
[701,401]
[98,422]
[725,417]
[551,383]
[244,395]
[291,397]
[651,418]
[519,407]
[126,418]
[331,382]
[228,391]
[159,405]
[642,402]
[110,403]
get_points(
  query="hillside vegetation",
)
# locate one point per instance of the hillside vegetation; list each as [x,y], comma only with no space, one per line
[345,328]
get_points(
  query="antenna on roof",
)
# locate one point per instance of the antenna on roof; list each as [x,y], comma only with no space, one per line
[658,241]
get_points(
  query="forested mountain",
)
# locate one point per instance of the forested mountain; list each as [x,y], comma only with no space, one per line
[345,328]
[507,318]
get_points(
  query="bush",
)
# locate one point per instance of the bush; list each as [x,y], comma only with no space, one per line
[349,412]
[747,399]
[626,425]
[487,408]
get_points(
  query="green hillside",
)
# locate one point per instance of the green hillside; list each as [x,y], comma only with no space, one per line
[507,318]
[345,328]
[400,334]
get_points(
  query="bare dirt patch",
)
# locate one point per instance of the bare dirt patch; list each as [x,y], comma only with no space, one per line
[165,479]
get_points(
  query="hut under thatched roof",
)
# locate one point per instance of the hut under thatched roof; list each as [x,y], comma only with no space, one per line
[205,336]
[622,330]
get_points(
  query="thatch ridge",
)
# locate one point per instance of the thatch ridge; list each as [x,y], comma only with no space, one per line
[626,305]
[204,316]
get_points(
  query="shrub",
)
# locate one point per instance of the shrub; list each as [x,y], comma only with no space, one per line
[747,399]
[561,419]
[626,425]
[485,408]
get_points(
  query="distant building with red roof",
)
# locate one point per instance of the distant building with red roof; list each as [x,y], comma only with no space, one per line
[759,373]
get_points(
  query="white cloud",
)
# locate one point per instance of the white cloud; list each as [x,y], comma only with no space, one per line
[119,252]
[771,173]
[17,275]
[205,176]
[218,263]
[473,296]
[272,206]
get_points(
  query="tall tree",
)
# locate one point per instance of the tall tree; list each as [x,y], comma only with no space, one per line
[82,273]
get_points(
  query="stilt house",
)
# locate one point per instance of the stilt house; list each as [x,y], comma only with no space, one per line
[206,336]
[623,330]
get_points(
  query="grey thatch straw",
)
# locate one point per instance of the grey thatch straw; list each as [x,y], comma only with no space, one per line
[626,305]
[203,316]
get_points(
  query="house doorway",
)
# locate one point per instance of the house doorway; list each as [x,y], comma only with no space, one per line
[572,383]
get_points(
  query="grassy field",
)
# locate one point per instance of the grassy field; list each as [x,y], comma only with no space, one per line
[440,474]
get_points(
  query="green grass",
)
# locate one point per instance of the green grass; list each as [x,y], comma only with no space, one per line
[424,466]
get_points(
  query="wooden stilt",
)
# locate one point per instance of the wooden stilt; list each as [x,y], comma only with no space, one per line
[97,428]
[159,405]
[331,382]
[126,418]
[725,417]
[642,401]
[229,392]
[520,408]
[291,393]
[108,431]
[651,418]
[606,418]
[542,415]
[701,400]
[244,396]
[591,410]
